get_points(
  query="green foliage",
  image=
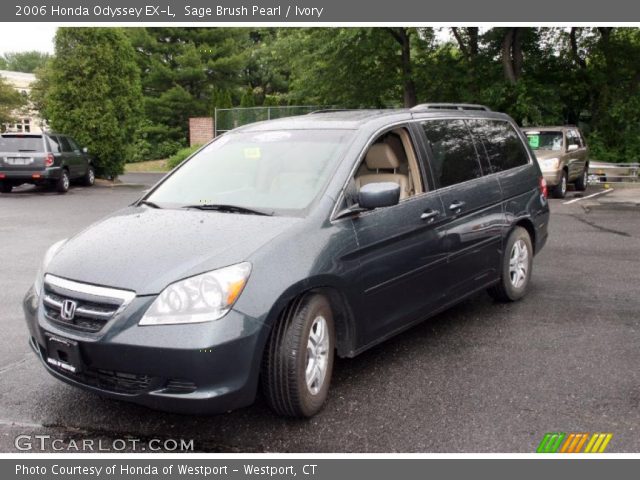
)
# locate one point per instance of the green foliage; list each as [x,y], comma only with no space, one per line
[94,93]
[180,155]
[586,76]
[10,101]
[187,72]
[27,62]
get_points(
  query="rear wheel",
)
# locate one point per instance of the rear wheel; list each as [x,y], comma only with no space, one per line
[582,182]
[517,263]
[298,361]
[90,177]
[62,185]
[5,187]
[560,190]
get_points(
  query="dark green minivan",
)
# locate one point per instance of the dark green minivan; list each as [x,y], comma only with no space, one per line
[281,244]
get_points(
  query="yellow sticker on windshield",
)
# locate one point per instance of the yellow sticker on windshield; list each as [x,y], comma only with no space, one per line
[534,141]
[252,152]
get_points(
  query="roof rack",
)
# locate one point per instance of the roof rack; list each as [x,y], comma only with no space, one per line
[328,110]
[449,106]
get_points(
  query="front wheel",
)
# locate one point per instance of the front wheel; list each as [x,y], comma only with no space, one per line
[560,190]
[517,262]
[583,181]
[298,361]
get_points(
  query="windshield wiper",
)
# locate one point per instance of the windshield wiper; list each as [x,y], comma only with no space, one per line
[149,204]
[229,208]
[26,150]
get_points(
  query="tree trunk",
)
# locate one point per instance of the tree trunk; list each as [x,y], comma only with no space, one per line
[512,56]
[401,35]
[507,64]
[575,53]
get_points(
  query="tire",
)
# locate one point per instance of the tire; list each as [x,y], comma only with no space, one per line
[5,187]
[62,185]
[560,190]
[90,177]
[514,282]
[287,357]
[583,181]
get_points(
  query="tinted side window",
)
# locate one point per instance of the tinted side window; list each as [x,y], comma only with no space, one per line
[74,146]
[501,142]
[64,144]
[454,158]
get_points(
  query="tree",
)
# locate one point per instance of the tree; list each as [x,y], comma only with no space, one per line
[94,93]
[10,101]
[27,62]
[183,72]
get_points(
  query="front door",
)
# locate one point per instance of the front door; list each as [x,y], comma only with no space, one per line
[401,249]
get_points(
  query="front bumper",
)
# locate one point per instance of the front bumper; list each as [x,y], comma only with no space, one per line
[30,176]
[204,368]
[552,177]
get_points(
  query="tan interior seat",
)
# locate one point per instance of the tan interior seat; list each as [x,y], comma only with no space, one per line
[382,157]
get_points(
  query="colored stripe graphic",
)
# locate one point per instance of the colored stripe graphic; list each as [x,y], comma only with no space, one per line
[573,442]
[598,443]
[550,442]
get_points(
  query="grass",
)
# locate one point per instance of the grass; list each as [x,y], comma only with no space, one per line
[154,166]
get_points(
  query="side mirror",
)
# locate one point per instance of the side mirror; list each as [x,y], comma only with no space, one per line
[572,147]
[379,195]
[85,150]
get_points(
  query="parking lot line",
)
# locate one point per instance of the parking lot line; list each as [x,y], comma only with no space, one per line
[588,196]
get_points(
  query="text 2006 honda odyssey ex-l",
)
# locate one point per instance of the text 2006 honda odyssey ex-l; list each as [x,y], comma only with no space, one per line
[284,243]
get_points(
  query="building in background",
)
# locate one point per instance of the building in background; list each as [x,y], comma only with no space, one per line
[27,119]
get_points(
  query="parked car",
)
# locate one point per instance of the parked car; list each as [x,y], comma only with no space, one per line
[284,243]
[43,159]
[563,156]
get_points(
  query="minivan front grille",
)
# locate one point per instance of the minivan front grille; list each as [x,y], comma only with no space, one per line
[81,307]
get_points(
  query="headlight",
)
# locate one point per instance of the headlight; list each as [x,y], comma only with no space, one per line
[53,249]
[202,298]
[550,163]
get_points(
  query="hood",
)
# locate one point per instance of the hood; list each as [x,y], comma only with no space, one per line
[144,249]
[544,154]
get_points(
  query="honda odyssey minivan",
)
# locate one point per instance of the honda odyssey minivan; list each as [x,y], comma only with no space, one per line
[282,244]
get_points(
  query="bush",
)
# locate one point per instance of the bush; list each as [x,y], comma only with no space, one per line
[175,160]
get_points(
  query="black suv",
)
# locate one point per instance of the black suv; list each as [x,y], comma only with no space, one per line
[283,243]
[43,159]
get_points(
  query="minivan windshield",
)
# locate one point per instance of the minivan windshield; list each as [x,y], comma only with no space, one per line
[545,140]
[279,171]
[21,143]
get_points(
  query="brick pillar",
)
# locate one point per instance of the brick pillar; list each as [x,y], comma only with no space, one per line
[200,130]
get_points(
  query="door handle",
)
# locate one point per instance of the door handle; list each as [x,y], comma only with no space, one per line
[429,215]
[457,205]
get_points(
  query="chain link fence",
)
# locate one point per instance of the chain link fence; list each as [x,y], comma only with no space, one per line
[226,119]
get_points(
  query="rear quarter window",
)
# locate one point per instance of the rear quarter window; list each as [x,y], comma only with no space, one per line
[502,144]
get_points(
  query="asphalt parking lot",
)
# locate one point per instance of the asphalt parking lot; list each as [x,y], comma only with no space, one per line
[482,377]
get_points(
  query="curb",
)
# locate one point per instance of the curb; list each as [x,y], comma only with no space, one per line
[105,184]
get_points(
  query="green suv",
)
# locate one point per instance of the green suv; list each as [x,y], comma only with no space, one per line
[563,156]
